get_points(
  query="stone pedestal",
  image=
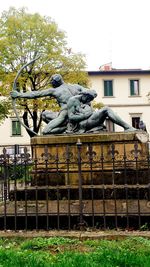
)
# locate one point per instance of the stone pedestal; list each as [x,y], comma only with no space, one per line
[65,159]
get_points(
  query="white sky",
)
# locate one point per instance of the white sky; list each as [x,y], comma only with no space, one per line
[116,31]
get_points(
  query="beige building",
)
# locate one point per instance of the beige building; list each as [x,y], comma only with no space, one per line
[12,132]
[125,91]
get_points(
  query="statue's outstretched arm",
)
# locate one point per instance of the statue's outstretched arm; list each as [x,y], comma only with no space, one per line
[33,94]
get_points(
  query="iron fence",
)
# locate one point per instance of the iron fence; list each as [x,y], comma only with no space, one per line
[77,189]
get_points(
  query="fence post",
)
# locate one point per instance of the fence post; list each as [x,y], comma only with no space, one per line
[5,188]
[81,222]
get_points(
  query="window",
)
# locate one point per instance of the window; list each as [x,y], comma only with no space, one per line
[15,149]
[108,88]
[16,127]
[134,87]
[135,122]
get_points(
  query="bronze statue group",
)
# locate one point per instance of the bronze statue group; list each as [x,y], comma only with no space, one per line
[76,114]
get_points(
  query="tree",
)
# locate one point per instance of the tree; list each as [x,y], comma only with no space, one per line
[97,105]
[4,109]
[25,36]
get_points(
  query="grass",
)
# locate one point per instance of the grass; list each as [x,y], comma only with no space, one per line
[65,252]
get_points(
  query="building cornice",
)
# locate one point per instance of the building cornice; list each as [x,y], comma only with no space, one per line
[119,72]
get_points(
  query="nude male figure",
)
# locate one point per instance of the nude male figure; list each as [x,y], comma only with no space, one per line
[81,112]
[62,93]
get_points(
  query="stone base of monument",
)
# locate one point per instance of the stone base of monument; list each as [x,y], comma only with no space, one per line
[66,159]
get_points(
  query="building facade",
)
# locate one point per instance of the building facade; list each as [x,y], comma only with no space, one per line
[126,92]
[12,132]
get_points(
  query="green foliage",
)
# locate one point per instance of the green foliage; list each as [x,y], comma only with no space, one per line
[43,243]
[18,172]
[4,109]
[97,105]
[144,227]
[41,252]
[11,242]
[18,258]
[25,36]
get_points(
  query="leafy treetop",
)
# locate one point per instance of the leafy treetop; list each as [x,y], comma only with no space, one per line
[25,36]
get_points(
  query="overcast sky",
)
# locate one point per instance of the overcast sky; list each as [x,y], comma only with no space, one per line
[116,31]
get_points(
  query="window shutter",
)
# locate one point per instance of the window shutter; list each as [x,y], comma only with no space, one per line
[105,88]
[13,128]
[16,128]
[131,87]
[108,89]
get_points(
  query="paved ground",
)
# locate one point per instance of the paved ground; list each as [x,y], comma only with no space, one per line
[82,235]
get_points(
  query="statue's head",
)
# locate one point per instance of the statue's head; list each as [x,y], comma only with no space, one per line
[56,80]
[88,96]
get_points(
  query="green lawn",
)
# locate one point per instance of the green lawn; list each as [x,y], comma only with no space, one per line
[65,252]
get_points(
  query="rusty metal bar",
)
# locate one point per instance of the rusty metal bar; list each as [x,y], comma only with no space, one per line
[67,182]
[103,184]
[126,185]
[79,145]
[91,155]
[136,155]
[46,189]
[25,188]
[36,189]
[113,182]
[148,167]
[5,188]
[16,152]
[57,187]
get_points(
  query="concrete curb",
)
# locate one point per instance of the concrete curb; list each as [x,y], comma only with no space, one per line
[81,235]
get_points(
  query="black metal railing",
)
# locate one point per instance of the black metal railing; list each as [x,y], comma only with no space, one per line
[78,188]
